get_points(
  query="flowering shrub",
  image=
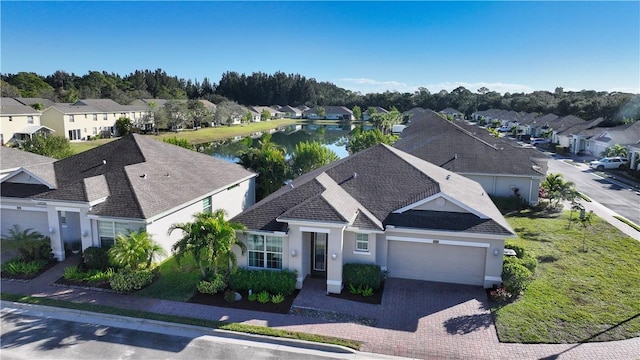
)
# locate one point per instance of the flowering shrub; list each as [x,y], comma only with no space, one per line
[499,294]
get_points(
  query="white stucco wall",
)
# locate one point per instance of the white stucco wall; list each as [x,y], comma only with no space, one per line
[503,185]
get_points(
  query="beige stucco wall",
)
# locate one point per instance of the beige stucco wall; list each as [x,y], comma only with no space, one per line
[59,121]
[17,123]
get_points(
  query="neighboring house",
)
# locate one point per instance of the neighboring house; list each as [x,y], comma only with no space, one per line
[33,101]
[625,135]
[291,112]
[634,157]
[575,137]
[275,114]
[453,112]
[562,124]
[90,117]
[500,166]
[133,183]
[19,122]
[540,125]
[12,159]
[379,206]
[378,109]
[331,113]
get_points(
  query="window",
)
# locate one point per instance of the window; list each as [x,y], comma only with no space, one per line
[10,118]
[95,131]
[74,134]
[362,242]
[206,205]
[108,230]
[71,119]
[95,117]
[104,117]
[265,251]
[63,218]
[30,119]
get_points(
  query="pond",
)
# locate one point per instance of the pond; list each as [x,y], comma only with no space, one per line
[333,136]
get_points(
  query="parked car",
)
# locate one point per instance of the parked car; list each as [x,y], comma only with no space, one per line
[504,128]
[538,141]
[609,163]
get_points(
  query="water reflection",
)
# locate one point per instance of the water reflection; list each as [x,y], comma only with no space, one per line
[333,136]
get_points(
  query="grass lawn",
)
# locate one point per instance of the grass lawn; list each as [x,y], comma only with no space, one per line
[576,296]
[199,136]
[175,282]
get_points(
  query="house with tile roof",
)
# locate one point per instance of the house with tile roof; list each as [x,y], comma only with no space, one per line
[502,167]
[417,221]
[19,122]
[89,117]
[133,183]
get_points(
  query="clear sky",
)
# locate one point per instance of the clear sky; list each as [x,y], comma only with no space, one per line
[361,46]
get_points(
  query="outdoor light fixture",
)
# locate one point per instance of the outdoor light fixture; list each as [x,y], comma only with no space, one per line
[334,256]
[52,230]
[294,253]
[85,233]
[496,252]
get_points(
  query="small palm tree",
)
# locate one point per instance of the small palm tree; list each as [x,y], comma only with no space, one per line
[557,189]
[17,235]
[615,150]
[209,238]
[135,250]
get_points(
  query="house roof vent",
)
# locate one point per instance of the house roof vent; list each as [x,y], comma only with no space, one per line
[144,176]
[355,175]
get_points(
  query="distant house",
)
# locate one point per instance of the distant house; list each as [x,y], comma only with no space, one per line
[561,125]
[291,112]
[89,117]
[275,114]
[379,206]
[19,122]
[625,135]
[500,166]
[574,138]
[453,112]
[133,183]
[330,113]
[378,109]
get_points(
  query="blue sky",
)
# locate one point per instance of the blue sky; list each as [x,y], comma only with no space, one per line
[361,46]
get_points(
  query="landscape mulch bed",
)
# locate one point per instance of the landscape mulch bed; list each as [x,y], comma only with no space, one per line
[7,276]
[245,304]
[375,299]
[104,285]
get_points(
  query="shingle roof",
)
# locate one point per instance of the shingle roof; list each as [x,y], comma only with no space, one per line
[142,177]
[628,134]
[364,189]
[10,106]
[465,150]
[12,158]
[31,101]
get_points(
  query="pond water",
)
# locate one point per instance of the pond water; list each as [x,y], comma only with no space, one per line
[333,136]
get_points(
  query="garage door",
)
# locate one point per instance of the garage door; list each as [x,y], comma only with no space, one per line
[36,220]
[436,262]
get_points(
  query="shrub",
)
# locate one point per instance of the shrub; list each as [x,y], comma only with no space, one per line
[355,289]
[367,291]
[362,275]
[75,273]
[214,286]
[277,299]
[96,258]
[516,277]
[229,296]
[22,267]
[274,282]
[127,280]
[36,250]
[253,297]
[523,256]
[264,297]
[519,249]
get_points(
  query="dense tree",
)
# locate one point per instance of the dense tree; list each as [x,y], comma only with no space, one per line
[52,146]
[267,159]
[175,114]
[123,126]
[30,85]
[308,156]
[361,140]
[357,112]
[198,114]
[385,121]
[229,111]
[209,238]
[265,115]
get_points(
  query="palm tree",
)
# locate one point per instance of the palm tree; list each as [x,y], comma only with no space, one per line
[135,250]
[557,189]
[31,244]
[616,150]
[209,238]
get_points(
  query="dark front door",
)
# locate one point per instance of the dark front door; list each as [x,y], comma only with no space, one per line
[319,253]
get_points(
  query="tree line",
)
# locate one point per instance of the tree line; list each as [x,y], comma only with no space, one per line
[280,88]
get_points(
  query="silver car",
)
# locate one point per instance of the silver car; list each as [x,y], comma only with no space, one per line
[608,163]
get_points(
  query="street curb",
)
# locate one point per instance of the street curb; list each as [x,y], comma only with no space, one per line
[184,330]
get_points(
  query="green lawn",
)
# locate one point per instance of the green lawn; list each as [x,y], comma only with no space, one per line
[576,296]
[175,282]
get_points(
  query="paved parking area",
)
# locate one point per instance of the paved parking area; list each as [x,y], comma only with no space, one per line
[416,319]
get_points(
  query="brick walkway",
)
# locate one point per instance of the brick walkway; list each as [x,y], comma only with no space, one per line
[416,319]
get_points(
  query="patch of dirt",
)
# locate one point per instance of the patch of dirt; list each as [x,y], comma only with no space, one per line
[244,304]
[375,299]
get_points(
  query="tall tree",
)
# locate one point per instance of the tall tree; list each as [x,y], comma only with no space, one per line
[266,159]
[357,112]
[361,140]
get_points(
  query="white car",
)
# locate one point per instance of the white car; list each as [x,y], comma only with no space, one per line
[608,163]
[504,128]
[538,141]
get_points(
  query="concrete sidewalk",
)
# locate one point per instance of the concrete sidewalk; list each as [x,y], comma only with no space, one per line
[437,322]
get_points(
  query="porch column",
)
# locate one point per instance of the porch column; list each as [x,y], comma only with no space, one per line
[335,260]
[295,254]
[57,247]
[86,233]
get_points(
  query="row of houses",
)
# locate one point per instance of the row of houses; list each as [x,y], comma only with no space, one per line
[380,206]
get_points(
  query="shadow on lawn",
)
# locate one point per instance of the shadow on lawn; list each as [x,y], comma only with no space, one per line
[591,338]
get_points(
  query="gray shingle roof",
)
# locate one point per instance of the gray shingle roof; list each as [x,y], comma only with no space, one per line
[11,158]
[142,177]
[465,150]
[364,189]
[10,106]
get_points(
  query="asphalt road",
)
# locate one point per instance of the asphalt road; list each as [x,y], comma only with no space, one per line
[617,197]
[42,335]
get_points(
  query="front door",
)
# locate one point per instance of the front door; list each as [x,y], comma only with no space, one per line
[319,260]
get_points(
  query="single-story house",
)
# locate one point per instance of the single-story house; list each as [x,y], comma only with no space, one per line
[377,109]
[330,113]
[290,112]
[502,167]
[273,113]
[379,206]
[627,135]
[575,138]
[453,112]
[133,183]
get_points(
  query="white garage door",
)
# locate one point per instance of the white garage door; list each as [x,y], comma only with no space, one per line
[436,262]
[36,220]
